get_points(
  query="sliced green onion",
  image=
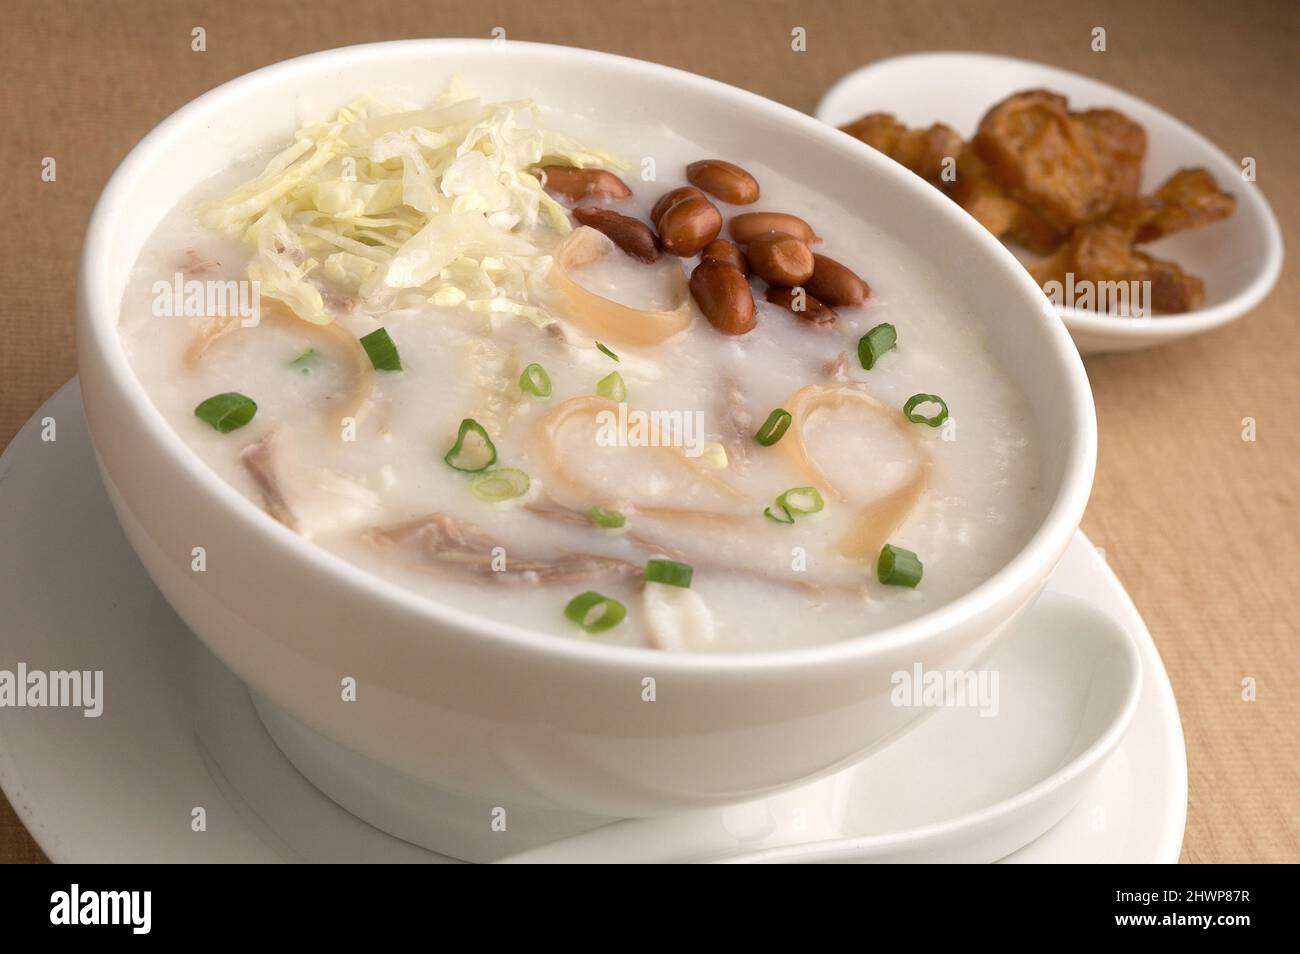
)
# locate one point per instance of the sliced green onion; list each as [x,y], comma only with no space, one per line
[917,399]
[876,342]
[473,450]
[227,412]
[382,351]
[898,567]
[801,501]
[535,381]
[595,613]
[611,386]
[780,515]
[774,427]
[304,359]
[498,485]
[603,350]
[670,572]
[796,502]
[606,518]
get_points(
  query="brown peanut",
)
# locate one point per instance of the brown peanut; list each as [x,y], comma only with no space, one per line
[728,253]
[835,284]
[750,225]
[577,184]
[631,235]
[688,225]
[669,199]
[724,296]
[780,259]
[727,181]
[802,305]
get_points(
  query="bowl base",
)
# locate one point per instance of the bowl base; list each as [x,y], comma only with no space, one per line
[440,821]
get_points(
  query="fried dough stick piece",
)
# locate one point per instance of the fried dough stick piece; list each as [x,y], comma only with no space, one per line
[921,150]
[1189,199]
[924,151]
[994,208]
[1100,252]
[1069,167]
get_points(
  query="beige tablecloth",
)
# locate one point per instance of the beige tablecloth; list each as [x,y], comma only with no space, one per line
[1203,528]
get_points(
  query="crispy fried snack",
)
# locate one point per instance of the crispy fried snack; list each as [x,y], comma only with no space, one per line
[1102,252]
[1122,145]
[993,207]
[921,150]
[1071,168]
[1064,185]
[924,151]
[1189,199]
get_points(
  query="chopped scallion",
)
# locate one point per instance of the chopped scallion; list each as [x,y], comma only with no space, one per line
[303,360]
[773,428]
[670,572]
[918,399]
[796,502]
[778,515]
[611,386]
[606,518]
[876,342]
[227,412]
[801,501]
[605,351]
[898,567]
[595,613]
[473,450]
[535,381]
[383,353]
[498,485]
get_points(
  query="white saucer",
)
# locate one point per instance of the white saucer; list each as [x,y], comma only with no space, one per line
[1239,258]
[180,732]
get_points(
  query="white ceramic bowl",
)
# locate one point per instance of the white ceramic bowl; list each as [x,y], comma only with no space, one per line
[495,714]
[1240,258]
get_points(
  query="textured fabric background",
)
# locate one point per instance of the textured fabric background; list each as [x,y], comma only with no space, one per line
[1203,528]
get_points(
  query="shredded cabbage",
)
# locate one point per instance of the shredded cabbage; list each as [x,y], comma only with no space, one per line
[381,201]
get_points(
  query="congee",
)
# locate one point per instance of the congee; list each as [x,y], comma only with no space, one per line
[586,377]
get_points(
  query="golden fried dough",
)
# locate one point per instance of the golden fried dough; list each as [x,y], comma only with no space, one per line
[1189,199]
[1045,158]
[1064,185]
[921,150]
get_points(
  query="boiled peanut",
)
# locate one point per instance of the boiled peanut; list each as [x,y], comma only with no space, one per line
[727,181]
[835,284]
[669,199]
[726,252]
[631,235]
[780,259]
[802,305]
[578,184]
[750,225]
[688,225]
[724,296]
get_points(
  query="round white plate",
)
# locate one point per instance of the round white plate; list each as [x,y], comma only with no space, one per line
[179,732]
[1240,258]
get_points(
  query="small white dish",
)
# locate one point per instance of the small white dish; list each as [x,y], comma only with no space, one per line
[1239,258]
[179,731]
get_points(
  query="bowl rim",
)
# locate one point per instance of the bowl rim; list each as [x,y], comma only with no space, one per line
[1157,327]
[98,341]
